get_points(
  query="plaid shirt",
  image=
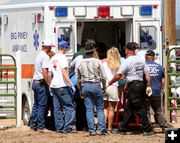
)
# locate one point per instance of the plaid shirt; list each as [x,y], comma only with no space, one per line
[90,70]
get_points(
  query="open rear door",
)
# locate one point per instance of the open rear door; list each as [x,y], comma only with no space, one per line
[148,35]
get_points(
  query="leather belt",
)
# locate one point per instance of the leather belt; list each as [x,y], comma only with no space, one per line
[134,82]
[39,81]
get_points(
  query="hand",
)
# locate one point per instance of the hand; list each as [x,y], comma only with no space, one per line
[149,91]
[81,94]
[73,88]
[104,90]
[50,92]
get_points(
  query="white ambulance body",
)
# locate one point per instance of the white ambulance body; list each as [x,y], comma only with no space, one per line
[24,26]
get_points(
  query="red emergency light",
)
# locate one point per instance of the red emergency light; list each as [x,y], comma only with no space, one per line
[155,6]
[103,11]
[51,8]
[40,18]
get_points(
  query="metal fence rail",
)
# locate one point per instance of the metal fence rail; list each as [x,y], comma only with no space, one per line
[173,62]
[8,78]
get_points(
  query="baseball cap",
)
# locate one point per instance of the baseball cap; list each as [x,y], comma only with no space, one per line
[47,43]
[132,46]
[150,53]
[63,44]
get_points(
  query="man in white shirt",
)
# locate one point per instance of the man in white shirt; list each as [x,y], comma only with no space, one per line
[60,84]
[40,88]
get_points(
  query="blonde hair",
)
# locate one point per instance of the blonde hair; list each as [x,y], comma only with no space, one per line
[113,59]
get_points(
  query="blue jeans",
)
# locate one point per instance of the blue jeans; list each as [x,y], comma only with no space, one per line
[93,95]
[64,110]
[37,119]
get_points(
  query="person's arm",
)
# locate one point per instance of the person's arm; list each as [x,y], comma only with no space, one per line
[66,76]
[78,81]
[45,75]
[49,77]
[103,76]
[148,84]
[116,78]
[45,66]
[147,76]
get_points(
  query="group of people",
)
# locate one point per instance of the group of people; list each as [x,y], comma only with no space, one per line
[97,84]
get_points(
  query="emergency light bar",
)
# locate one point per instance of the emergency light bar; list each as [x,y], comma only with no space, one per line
[61,11]
[127,10]
[146,10]
[79,11]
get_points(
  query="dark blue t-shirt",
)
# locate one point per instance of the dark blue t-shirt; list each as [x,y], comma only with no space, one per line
[156,75]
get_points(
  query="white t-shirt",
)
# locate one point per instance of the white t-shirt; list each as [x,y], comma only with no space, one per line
[41,61]
[57,63]
[109,74]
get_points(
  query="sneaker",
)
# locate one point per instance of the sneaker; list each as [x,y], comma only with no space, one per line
[70,131]
[92,134]
[101,133]
[148,133]
[168,126]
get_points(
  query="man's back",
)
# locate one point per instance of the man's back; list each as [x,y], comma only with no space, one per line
[156,75]
[91,70]
[133,68]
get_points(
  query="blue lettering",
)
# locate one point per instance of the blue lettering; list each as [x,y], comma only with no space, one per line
[19,35]
[13,35]
[22,35]
[22,48]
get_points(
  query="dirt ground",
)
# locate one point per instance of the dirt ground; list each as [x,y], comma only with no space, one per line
[25,135]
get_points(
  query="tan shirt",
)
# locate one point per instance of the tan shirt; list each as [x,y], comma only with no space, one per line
[90,70]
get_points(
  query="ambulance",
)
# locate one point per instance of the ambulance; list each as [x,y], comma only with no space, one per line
[23,27]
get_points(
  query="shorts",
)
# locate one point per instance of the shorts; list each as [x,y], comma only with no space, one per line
[111,94]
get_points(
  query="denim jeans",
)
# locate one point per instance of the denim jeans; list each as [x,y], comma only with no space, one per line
[93,95]
[64,110]
[37,119]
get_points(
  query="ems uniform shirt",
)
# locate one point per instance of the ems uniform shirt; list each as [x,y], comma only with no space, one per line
[133,68]
[41,61]
[57,63]
[156,74]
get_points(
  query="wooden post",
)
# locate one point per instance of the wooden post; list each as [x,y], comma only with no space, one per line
[170,39]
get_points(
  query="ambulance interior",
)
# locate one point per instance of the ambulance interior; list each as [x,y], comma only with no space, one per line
[106,34]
